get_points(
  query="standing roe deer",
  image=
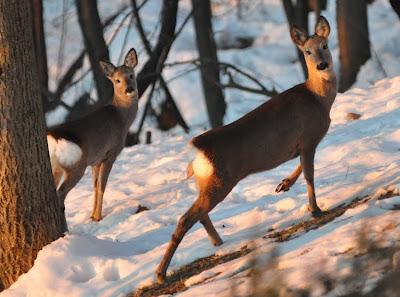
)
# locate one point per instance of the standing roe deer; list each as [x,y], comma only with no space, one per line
[290,124]
[96,139]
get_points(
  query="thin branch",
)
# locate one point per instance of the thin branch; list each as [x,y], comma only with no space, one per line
[66,81]
[163,84]
[232,84]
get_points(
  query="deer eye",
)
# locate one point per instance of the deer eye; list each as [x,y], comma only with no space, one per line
[308,52]
[118,81]
[324,46]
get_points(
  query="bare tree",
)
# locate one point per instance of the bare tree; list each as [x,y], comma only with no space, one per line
[40,48]
[352,23]
[396,6]
[212,90]
[30,213]
[96,48]
[297,14]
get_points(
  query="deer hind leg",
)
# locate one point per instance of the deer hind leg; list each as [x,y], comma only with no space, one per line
[57,175]
[210,195]
[289,181]
[71,178]
[100,186]
[307,163]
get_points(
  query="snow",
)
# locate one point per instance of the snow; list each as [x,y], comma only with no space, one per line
[119,254]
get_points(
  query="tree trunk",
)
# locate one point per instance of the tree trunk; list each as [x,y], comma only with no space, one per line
[396,6]
[30,213]
[213,94]
[152,69]
[352,22]
[40,49]
[298,15]
[96,47]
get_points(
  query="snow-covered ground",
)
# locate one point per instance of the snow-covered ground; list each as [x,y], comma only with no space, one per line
[120,253]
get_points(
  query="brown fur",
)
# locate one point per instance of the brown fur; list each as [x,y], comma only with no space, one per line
[289,125]
[100,135]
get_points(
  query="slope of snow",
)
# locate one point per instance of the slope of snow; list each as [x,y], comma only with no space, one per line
[120,253]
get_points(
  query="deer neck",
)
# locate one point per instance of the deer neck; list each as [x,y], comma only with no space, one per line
[127,108]
[324,86]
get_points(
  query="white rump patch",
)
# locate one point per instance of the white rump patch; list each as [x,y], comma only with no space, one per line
[65,152]
[202,166]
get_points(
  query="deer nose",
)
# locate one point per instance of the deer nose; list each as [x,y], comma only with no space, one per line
[322,66]
[129,90]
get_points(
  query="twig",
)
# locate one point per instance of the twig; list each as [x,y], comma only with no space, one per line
[163,84]
[232,84]
[65,82]
[60,57]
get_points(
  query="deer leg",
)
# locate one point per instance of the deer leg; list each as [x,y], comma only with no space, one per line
[71,178]
[212,233]
[95,177]
[57,175]
[307,163]
[104,172]
[210,196]
[186,222]
[289,181]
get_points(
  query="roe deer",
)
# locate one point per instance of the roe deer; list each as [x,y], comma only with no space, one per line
[290,124]
[96,139]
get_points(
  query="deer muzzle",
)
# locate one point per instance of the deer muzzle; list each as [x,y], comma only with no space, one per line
[322,66]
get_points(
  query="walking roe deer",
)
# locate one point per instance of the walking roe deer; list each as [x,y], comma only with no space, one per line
[290,124]
[96,139]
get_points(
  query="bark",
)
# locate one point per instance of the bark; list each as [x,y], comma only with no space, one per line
[352,22]
[396,6]
[40,48]
[95,45]
[298,15]
[30,213]
[213,93]
[150,71]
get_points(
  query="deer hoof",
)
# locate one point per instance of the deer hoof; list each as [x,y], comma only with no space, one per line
[284,186]
[95,218]
[317,213]
[160,277]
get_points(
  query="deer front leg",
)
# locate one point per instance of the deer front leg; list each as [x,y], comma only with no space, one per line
[95,177]
[289,181]
[104,172]
[212,233]
[307,163]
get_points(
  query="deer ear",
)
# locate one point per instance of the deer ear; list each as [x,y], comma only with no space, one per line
[322,27]
[108,68]
[131,58]
[299,35]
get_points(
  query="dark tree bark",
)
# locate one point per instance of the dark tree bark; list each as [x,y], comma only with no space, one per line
[95,45]
[396,6]
[151,70]
[40,49]
[30,213]
[352,22]
[298,15]
[212,91]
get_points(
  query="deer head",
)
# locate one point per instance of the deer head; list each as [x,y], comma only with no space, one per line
[315,48]
[123,77]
